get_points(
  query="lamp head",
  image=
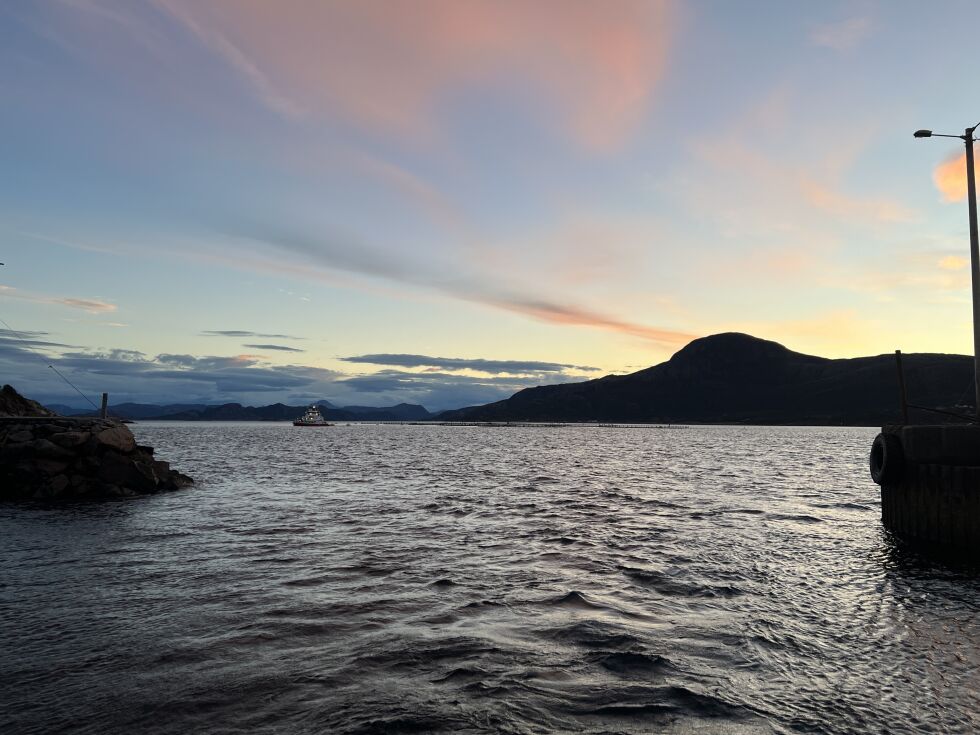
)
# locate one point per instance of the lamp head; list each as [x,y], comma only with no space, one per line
[922,134]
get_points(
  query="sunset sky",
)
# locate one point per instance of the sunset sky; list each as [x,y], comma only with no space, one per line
[443,201]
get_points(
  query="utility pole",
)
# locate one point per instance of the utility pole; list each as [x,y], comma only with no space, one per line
[971,195]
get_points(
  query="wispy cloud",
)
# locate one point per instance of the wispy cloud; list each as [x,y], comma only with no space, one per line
[441,390]
[279,348]
[842,35]
[338,253]
[29,339]
[799,184]
[512,367]
[566,314]
[842,332]
[92,306]
[392,66]
[243,333]
[953,263]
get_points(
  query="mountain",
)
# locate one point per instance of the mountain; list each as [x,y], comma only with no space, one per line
[131,410]
[737,378]
[282,412]
[238,412]
[401,412]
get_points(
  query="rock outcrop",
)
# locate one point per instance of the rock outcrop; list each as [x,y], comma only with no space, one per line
[49,457]
[13,403]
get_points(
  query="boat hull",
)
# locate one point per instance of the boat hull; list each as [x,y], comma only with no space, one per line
[300,423]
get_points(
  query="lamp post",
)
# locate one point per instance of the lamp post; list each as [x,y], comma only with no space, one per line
[971,195]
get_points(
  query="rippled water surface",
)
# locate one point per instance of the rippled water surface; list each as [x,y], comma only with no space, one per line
[520,580]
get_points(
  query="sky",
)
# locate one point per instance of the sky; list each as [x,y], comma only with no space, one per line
[445,201]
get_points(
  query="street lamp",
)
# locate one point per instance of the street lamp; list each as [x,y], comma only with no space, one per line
[971,195]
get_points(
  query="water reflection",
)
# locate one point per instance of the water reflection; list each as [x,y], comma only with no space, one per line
[396,579]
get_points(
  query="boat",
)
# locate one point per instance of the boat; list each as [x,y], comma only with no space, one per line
[312,417]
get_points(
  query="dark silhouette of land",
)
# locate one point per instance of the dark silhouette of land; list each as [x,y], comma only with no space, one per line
[725,378]
[238,412]
[737,378]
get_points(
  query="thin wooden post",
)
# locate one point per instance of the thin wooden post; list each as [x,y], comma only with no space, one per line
[104,412]
[903,399]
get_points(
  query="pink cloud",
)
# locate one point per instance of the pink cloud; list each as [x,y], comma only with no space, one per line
[392,66]
[487,291]
[555,313]
[950,178]
[822,194]
[92,306]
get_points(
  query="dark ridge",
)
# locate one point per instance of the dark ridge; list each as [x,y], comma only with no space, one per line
[238,412]
[737,378]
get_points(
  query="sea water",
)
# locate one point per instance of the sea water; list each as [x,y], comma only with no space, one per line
[395,579]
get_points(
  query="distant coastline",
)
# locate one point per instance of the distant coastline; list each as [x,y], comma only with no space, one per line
[238,412]
[731,379]
[735,378]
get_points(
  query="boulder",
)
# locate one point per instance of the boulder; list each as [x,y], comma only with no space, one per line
[177,480]
[70,439]
[118,469]
[49,450]
[118,437]
[50,466]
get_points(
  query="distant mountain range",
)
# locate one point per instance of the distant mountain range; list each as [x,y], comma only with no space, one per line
[736,378]
[238,412]
[726,378]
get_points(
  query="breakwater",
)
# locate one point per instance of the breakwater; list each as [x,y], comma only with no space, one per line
[57,458]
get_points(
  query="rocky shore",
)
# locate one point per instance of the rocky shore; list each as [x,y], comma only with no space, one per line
[48,457]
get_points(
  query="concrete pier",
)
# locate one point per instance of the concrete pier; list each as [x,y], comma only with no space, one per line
[930,487]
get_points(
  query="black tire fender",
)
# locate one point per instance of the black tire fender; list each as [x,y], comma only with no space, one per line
[887,460]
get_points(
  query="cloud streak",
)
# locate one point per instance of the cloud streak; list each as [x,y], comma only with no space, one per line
[511,367]
[278,348]
[797,183]
[29,339]
[392,67]
[953,263]
[843,35]
[243,333]
[92,306]
[339,253]
[441,390]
